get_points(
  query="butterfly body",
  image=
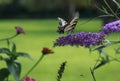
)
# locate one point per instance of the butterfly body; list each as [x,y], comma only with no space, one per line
[64,26]
[61,29]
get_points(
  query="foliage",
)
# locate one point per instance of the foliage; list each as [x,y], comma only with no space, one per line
[13,65]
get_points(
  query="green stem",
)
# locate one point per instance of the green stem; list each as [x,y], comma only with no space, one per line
[92,70]
[9,37]
[97,61]
[30,70]
[115,59]
[92,73]
[111,9]
[115,42]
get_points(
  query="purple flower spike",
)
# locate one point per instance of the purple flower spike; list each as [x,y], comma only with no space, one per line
[81,39]
[19,30]
[111,27]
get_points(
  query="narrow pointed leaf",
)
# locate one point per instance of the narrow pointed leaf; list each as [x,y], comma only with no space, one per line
[105,10]
[117,3]
[8,43]
[18,68]
[105,54]
[14,69]
[24,55]
[14,48]
[5,51]
[99,49]
[103,61]
[100,64]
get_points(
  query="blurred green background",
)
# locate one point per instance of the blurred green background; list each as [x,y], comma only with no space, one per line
[39,20]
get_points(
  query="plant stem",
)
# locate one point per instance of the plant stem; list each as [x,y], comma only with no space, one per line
[92,73]
[115,42]
[115,59]
[96,62]
[30,70]
[92,70]
[9,37]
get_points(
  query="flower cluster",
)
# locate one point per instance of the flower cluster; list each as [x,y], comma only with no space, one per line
[111,27]
[81,38]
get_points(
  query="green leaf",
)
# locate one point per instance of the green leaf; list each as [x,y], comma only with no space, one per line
[117,3]
[103,61]
[1,58]
[108,15]
[14,68]
[101,9]
[105,54]
[18,69]
[8,43]
[105,10]
[99,49]
[14,48]
[24,55]
[4,73]
[5,51]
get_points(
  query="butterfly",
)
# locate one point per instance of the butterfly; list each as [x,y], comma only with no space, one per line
[64,26]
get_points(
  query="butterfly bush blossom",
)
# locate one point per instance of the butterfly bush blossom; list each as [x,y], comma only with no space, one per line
[111,27]
[81,39]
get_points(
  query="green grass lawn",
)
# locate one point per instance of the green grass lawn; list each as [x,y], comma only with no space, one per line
[42,33]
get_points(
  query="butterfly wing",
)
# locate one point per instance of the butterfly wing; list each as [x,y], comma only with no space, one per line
[68,28]
[75,19]
[62,25]
[72,24]
[62,22]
